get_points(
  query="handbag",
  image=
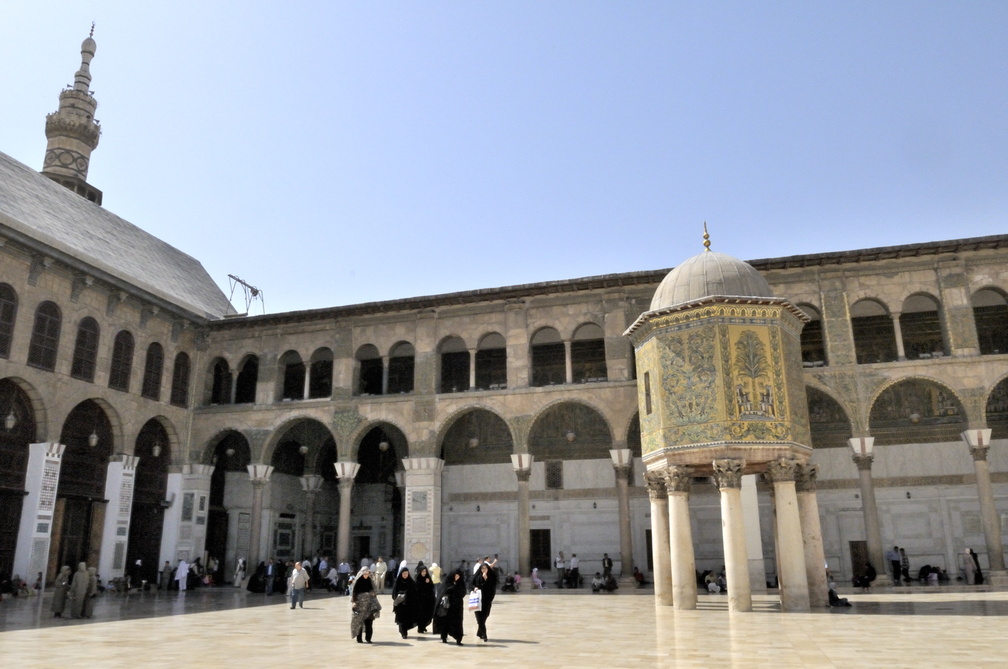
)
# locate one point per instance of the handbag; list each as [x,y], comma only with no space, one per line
[475,600]
[399,599]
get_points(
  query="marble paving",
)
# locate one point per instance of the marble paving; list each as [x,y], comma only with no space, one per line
[549,630]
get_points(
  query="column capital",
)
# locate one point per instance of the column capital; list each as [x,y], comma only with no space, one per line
[979,453]
[655,482]
[259,474]
[679,478]
[311,483]
[523,475]
[978,441]
[728,472]
[805,477]
[781,470]
[863,462]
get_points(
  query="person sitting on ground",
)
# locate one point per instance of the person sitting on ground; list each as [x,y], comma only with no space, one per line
[598,582]
[639,577]
[536,581]
[610,583]
[834,599]
[866,580]
[517,580]
[509,584]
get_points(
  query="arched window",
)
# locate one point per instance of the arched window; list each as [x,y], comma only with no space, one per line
[220,383]
[45,337]
[454,366]
[400,372]
[180,381]
[8,314]
[153,369]
[369,370]
[920,325]
[813,347]
[874,334]
[320,374]
[292,369]
[549,358]
[248,377]
[122,362]
[588,363]
[85,350]
[990,313]
[491,362]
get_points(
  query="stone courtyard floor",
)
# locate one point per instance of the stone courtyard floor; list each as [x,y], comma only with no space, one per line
[223,627]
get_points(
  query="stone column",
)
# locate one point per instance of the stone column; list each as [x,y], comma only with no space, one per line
[660,547]
[568,362]
[422,494]
[472,369]
[259,475]
[682,558]
[791,557]
[728,476]
[863,459]
[384,374]
[38,510]
[808,511]
[754,535]
[345,471]
[522,463]
[306,390]
[622,460]
[979,442]
[898,333]
[311,484]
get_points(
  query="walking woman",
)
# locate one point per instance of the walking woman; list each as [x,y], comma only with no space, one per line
[425,600]
[365,606]
[486,581]
[404,602]
[453,593]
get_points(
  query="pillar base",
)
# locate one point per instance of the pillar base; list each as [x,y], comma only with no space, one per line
[997,578]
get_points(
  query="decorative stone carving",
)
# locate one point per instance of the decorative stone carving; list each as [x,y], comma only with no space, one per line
[780,470]
[979,452]
[863,462]
[679,479]
[805,477]
[655,482]
[80,282]
[728,472]
[39,264]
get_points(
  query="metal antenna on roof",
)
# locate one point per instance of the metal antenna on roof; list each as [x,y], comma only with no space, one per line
[251,292]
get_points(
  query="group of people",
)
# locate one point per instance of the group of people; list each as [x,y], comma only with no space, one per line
[73,596]
[426,600]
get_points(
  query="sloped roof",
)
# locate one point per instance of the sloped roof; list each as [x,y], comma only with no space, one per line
[42,210]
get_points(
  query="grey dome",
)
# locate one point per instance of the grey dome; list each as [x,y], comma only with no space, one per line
[707,275]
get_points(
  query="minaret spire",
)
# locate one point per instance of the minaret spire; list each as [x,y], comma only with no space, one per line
[73,132]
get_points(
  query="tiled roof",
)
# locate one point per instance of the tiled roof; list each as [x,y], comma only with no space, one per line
[46,212]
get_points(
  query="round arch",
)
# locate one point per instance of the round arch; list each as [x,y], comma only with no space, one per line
[570,430]
[475,435]
[829,424]
[916,410]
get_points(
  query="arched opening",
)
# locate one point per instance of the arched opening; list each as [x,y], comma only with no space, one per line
[997,410]
[8,315]
[153,448]
[248,378]
[813,346]
[219,382]
[491,362]
[549,358]
[828,422]
[44,342]
[401,367]
[121,368]
[320,374]
[153,370]
[454,366]
[477,437]
[588,361]
[921,327]
[916,411]
[79,516]
[180,381]
[292,375]
[990,313]
[370,370]
[874,334]
[228,538]
[633,440]
[85,350]
[377,498]
[565,432]
[18,420]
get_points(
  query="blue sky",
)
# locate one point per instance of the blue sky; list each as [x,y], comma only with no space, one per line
[333,153]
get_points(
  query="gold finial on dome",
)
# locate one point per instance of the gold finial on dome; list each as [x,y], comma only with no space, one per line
[92,30]
[706,237]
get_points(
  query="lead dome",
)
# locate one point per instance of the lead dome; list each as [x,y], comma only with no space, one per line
[709,274]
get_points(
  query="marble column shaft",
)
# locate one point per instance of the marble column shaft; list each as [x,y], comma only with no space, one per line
[524,527]
[791,559]
[682,557]
[871,519]
[815,557]
[343,532]
[979,443]
[728,475]
[660,546]
[626,538]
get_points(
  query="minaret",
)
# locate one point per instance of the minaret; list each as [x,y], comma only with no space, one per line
[73,132]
